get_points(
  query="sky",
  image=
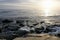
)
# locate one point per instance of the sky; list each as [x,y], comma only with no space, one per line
[36,7]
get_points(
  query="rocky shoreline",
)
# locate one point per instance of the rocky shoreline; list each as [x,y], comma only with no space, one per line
[21,27]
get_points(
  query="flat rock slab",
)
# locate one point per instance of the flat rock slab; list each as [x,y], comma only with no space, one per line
[44,37]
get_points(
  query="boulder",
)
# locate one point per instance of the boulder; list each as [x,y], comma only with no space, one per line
[39,30]
[7,21]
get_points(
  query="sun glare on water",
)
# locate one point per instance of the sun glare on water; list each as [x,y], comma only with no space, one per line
[46,6]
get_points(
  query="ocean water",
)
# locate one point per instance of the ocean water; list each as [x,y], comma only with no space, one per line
[23,12]
[6,13]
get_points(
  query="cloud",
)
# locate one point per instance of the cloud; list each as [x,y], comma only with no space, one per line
[13,1]
[10,3]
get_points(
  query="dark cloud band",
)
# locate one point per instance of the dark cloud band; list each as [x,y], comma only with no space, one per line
[13,1]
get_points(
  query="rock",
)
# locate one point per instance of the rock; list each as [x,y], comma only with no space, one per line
[19,21]
[11,28]
[58,35]
[22,25]
[22,33]
[35,24]
[32,30]
[7,21]
[39,30]
[42,22]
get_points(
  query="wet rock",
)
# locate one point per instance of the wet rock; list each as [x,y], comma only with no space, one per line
[19,21]
[35,24]
[58,35]
[22,33]
[10,35]
[22,25]
[42,22]
[7,21]
[32,30]
[49,30]
[39,30]
[11,28]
